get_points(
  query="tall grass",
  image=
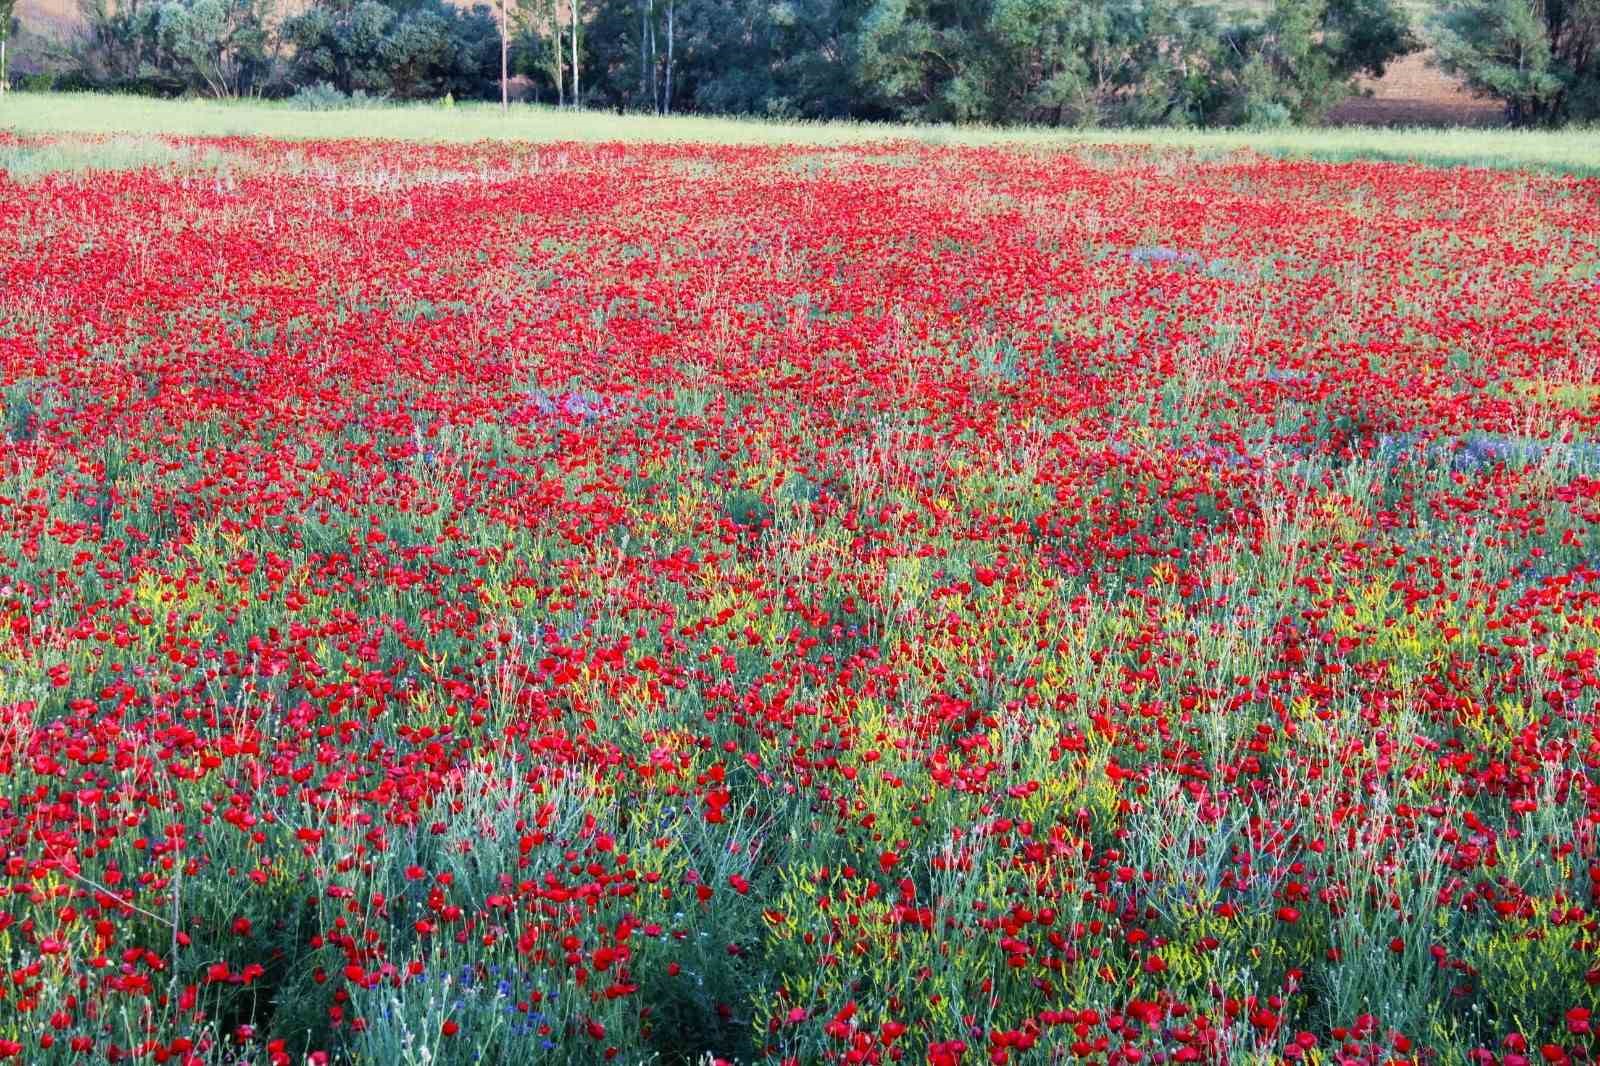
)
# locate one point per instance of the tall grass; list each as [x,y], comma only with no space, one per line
[1575,152]
[125,151]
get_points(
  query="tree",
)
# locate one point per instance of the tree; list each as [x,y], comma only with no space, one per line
[547,48]
[1070,61]
[218,47]
[1173,80]
[926,60]
[1540,57]
[112,51]
[654,55]
[1084,62]
[505,56]
[622,59]
[221,45]
[437,50]
[7,14]
[339,43]
[810,42]
[1081,62]
[577,27]
[331,43]
[666,92]
[1303,56]
[415,52]
[1044,49]
[1039,61]
[411,49]
[521,47]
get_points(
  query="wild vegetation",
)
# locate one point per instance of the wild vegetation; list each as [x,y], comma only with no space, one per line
[136,130]
[511,603]
[1127,63]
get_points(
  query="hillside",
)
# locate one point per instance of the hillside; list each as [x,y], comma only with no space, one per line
[44,16]
[53,17]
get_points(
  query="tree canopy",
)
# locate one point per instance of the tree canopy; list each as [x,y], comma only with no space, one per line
[1049,62]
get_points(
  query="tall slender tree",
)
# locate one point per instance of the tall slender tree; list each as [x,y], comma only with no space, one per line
[666,97]
[577,101]
[558,60]
[505,51]
[7,13]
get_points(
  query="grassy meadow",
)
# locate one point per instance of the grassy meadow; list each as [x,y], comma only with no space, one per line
[1572,151]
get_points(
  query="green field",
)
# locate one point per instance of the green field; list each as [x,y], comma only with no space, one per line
[1573,151]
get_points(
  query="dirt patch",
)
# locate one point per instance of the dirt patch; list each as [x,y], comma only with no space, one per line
[1413,92]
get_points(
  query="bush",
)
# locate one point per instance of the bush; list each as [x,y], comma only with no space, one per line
[1267,114]
[322,96]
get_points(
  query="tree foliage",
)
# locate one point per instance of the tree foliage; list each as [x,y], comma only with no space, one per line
[417,49]
[1541,57]
[219,46]
[1049,62]
[8,10]
[1054,62]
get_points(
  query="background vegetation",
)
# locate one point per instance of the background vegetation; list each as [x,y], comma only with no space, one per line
[1058,63]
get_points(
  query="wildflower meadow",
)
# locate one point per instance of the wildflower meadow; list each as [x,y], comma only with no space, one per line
[510,603]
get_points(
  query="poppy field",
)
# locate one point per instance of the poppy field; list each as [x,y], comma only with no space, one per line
[891,603]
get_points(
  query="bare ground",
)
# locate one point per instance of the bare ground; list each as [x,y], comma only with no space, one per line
[1412,92]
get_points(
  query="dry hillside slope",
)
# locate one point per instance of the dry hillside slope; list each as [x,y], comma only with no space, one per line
[48,15]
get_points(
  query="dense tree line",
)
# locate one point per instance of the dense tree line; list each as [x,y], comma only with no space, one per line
[1052,62]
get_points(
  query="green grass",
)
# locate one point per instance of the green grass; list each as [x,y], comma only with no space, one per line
[1574,152]
[121,151]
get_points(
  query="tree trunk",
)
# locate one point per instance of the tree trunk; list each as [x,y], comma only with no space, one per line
[644,57]
[559,65]
[667,103]
[505,96]
[577,96]
[655,73]
[4,85]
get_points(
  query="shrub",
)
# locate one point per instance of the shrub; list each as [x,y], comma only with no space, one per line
[322,96]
